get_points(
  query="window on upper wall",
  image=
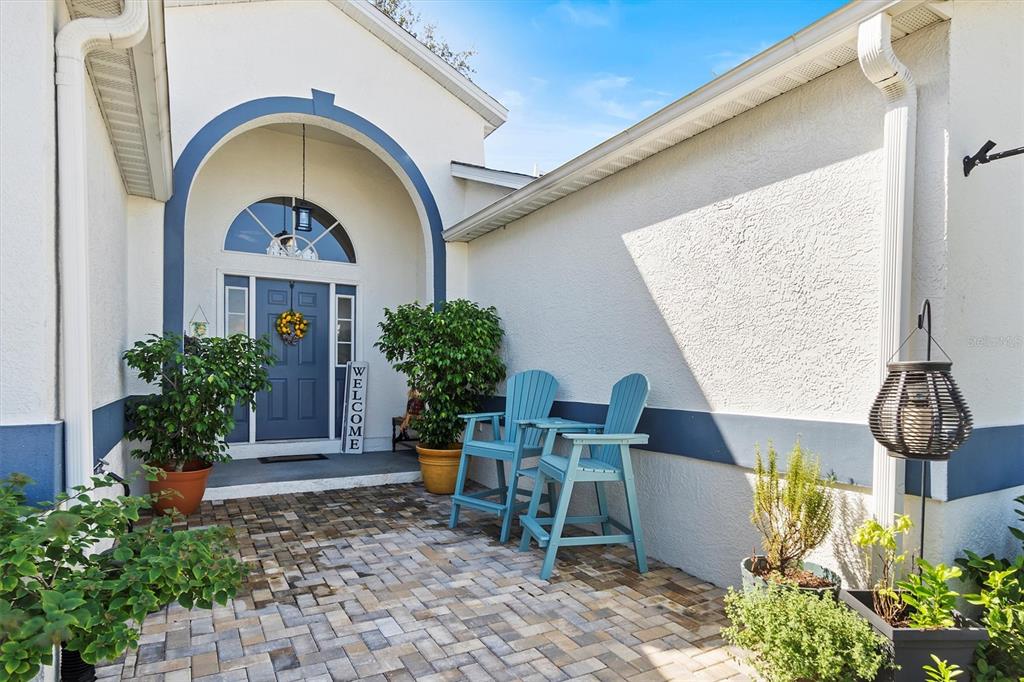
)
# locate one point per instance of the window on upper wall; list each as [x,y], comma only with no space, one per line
[269,227]
[343,333]
[236,310]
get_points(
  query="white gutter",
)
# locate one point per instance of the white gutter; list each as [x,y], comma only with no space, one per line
[74,41]
[884,70]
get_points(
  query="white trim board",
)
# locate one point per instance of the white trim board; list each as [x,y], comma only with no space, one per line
[234,492]
[313,446]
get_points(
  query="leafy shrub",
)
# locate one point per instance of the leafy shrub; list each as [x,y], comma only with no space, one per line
[884,540]
[942,671]
[450,355]
[1002,657]
[56,589]
[794,635]
[928,594]
[794,517]
[200,385]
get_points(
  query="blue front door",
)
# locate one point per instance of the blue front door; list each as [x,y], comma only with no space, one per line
[297,404]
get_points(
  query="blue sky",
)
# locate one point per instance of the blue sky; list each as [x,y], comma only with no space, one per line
[574,72]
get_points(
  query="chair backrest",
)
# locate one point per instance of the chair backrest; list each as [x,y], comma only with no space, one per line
[529,395]
[629,396]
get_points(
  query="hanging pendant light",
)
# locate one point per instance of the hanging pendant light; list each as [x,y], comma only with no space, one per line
[919,413]
[303,212]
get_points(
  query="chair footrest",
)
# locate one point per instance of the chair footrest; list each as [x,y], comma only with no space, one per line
[477,503]
[536,529]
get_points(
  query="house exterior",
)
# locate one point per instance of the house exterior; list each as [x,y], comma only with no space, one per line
[758,248]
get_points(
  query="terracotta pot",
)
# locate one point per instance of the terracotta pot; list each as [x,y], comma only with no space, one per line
[440,469]
[188,487]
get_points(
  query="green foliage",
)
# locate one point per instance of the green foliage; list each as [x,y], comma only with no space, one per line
[402,13]
[450,355]
[794,517]
[796,635]
[1002,600]
[928,594]
[884,540]
[56,588]
[942,671]
[200,385]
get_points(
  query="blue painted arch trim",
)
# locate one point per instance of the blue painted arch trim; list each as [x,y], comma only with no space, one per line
[321,105]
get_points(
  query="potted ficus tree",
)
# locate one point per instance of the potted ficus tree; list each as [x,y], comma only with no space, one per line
[450,354]
[56,589]
[794,517]
[200,382]
[916,615]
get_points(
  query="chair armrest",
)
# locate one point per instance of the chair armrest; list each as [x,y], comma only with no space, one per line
[481,415]
[607,438]
[560,424]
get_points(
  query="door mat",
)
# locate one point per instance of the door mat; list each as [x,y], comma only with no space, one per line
[290,458]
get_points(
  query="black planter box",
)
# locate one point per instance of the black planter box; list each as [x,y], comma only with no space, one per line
[912,648]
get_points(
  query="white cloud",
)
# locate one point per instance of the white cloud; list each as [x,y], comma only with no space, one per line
[727,59]
[513,99]
[585,16]
[612,96]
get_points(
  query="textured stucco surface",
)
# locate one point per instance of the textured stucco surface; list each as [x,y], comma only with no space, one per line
[986,210]
[742,264]
[334,55]
[28,276]
[356,188]
[739,270]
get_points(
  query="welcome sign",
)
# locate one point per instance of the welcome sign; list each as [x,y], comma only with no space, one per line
[355,405]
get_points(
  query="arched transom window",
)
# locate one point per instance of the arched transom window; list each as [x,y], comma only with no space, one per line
[281,226]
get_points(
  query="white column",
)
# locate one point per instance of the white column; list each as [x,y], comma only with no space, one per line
[74,41]
[893,79]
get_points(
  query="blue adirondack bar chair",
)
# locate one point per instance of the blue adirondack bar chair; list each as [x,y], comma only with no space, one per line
[608,462]
[530,395]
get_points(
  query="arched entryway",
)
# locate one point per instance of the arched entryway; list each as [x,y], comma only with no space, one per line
[319,109]
[373,241]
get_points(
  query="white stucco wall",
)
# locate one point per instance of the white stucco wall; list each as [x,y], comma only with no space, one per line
[210,74]
[356,188]
[743,266]
[984,313]
[28,265]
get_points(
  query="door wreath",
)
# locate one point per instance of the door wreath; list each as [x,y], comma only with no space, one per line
[291,325]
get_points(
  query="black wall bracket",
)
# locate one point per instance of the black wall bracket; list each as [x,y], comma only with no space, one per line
[983,156]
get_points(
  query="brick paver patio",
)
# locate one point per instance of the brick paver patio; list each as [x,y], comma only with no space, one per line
[371,584]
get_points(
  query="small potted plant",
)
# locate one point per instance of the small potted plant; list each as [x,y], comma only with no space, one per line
[185,423]
[793,634]
[56,589]
[794,518]
[917,615]
[450,354]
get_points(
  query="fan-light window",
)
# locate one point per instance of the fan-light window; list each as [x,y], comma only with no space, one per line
[270,227]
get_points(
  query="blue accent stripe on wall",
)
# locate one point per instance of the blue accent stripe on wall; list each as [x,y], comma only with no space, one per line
[992,459]
[108,426]
[321,104]
[36,450]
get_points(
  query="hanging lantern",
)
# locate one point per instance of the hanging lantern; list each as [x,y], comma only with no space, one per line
[303,217]
[919,412]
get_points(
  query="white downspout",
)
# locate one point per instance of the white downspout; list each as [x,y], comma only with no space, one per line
[74,41]
[884,70]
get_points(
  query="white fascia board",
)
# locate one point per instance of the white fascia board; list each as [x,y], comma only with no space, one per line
[400,40]
[490,176]
[150,60]
[827,34]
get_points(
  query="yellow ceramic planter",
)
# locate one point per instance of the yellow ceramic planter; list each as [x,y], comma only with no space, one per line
[439,468]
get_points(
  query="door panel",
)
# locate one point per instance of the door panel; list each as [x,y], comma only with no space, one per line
[297,404]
